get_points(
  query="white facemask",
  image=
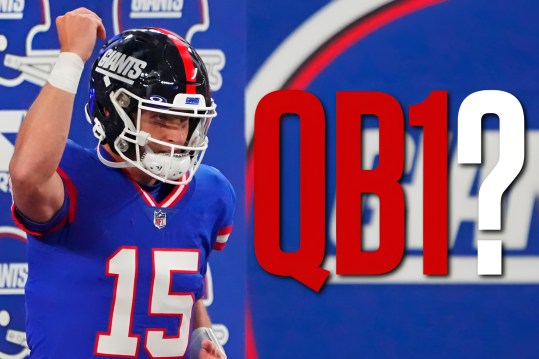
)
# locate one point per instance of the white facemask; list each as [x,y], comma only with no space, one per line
[178,164]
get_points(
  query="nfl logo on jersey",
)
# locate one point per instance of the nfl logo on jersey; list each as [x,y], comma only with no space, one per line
[160,219]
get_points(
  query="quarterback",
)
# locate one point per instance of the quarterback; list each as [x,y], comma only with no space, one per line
[120,234]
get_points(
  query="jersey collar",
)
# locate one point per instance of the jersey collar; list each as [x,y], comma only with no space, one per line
[168,202]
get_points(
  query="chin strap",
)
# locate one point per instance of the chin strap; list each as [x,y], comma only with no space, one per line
[99,133]
[112,163]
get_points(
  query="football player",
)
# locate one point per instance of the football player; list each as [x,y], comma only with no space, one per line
[119,235]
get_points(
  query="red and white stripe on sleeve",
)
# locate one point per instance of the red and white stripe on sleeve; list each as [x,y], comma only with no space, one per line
[222,238]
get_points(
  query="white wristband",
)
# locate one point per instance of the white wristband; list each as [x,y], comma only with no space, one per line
[198,335]
[66,72]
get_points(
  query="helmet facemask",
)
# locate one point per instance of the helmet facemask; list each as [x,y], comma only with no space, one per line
[172,163]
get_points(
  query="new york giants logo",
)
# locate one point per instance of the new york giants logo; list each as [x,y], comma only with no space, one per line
[22,24]
[141,9]
[184,17]
[13,276]
[11,9]
[120,66]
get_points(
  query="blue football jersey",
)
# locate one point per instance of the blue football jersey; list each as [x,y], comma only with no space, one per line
[119,274]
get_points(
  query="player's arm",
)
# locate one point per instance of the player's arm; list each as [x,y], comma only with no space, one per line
[201,316]
[38,191]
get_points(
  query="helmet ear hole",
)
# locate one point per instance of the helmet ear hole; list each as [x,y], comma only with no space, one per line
[123,100]
[131,108]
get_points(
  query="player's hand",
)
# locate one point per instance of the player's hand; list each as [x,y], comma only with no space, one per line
[208,351]
[78,31]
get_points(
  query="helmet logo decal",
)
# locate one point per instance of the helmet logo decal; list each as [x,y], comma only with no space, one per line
[192,101]
[160,219]
[117,65]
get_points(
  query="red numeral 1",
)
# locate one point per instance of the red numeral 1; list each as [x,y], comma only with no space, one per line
[119,340]
[431,114]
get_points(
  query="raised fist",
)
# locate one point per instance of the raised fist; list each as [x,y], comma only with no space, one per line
[78,31]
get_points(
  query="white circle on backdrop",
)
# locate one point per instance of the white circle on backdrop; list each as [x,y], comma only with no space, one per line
[3,43]
[4,318]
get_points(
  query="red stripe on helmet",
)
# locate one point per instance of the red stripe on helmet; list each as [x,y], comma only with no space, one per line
[190,71]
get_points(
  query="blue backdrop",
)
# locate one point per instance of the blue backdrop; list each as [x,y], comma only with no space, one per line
[406,49]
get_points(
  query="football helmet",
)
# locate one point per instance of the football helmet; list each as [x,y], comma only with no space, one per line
[150,69]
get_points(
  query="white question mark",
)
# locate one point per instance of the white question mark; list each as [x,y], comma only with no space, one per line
[511,160]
